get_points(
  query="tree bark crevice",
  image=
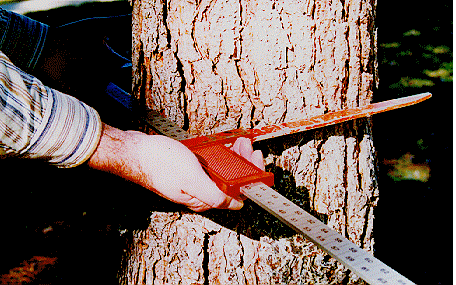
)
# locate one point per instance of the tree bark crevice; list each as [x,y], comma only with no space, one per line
[212,66]
[206,258]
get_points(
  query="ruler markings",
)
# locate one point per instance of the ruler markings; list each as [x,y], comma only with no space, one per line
[359,261]
[365,265]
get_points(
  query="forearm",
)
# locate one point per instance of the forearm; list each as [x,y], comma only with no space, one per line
[160,164]
[141,158]
[116,154]
[109,155]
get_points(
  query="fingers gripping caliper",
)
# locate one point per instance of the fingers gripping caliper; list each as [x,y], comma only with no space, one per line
[234,175]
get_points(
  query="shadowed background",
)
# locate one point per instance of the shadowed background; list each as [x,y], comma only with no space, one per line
[82,217]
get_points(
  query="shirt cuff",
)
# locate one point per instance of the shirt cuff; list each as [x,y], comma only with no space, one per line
[69,133]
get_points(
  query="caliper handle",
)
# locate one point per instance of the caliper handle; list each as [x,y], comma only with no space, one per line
[228,169]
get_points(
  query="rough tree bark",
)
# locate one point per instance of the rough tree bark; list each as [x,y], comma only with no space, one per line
[216,65]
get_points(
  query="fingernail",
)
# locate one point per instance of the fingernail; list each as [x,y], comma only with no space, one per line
[236,204]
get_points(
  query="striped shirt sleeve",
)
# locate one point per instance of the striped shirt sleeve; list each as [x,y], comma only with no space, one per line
[21,39]
[43,123]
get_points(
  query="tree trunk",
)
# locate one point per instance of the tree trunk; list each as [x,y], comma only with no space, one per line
[217,65]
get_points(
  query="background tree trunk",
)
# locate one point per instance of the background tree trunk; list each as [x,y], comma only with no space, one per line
[217,65]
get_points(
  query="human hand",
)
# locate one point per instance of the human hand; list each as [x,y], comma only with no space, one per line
[164,166]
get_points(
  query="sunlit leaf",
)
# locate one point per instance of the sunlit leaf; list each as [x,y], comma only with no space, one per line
[404,169]
[441,73]
[390,45]
[415,82]
[412,32]
[437,49]
[441,49]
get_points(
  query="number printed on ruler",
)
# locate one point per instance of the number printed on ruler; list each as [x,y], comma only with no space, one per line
[358,260]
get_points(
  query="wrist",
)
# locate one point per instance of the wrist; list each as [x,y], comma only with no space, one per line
[117,153]
[110,154]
